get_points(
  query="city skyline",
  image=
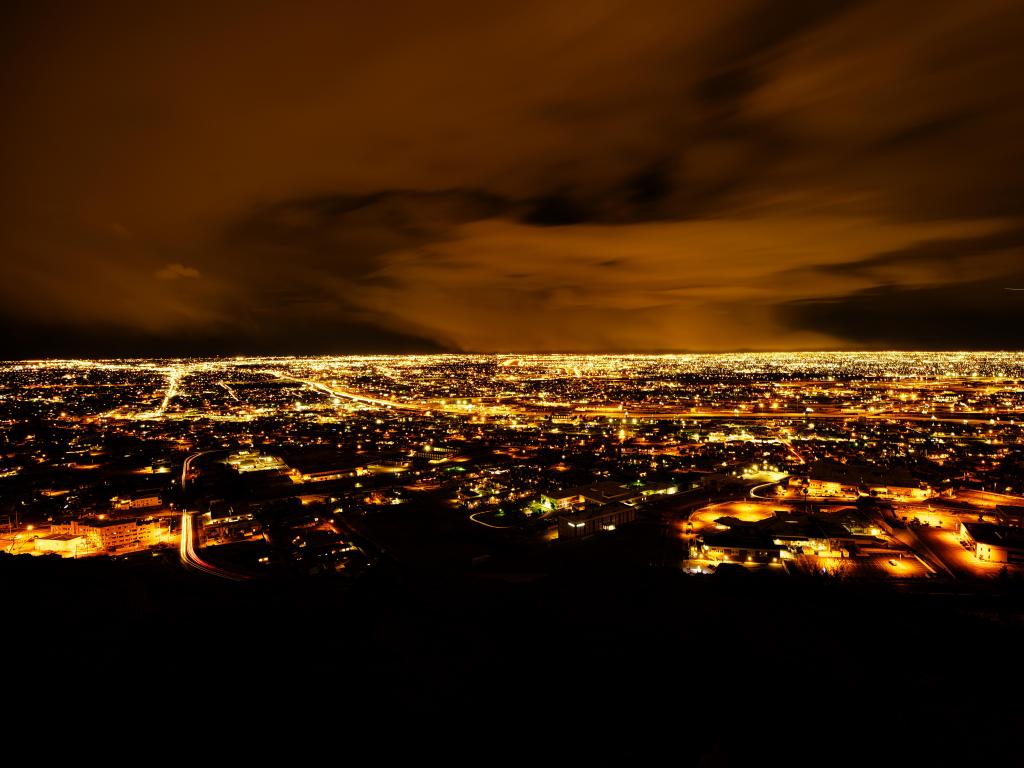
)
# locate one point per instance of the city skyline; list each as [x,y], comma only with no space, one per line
[599,177]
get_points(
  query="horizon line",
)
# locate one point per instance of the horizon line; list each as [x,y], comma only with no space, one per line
[566,353]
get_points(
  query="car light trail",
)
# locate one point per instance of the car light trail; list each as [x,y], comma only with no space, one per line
[190,559]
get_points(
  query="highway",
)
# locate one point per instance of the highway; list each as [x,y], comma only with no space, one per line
[349,395]
[187,465]
[191,559]
[818,415]
[624,410]
[174,376]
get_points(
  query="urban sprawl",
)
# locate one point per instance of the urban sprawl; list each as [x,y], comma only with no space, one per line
[897,466]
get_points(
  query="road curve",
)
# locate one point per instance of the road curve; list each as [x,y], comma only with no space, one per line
[191,559]
[187,465]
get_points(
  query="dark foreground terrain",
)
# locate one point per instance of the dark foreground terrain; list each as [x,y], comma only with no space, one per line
[627,666]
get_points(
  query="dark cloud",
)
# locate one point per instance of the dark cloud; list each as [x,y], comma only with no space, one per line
[958,256]
[643,195]
[556,210]
[941,317]
[600,175]
[346,233]
[40,339]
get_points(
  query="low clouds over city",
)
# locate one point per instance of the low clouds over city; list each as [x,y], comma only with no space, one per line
[600,176]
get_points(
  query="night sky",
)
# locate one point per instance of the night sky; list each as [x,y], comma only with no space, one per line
[593,175]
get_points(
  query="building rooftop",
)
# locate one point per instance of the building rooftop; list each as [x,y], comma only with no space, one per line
[602,492]
[806,526]
[595,512]
[996,535]
[1010,512]
[95,522]
[744,538]
[322,460]
[861,474]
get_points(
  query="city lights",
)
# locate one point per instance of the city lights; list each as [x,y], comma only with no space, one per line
[558,446]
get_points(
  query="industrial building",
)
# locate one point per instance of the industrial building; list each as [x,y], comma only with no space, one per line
[604,492]
[849,480]
[993,543]
[594,519]
[254,461]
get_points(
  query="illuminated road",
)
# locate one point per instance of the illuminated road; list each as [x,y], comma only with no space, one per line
[187,465]
[819,415]
[536,410]
[360,398]
[793,451]
[349,395]
[230,391]
[424,408]
[481,522]
[174,377]
[189,557]
[755,495]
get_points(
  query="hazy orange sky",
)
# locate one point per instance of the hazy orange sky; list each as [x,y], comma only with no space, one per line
[297,177]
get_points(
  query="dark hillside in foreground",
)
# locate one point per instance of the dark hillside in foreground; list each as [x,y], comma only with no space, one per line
[606,667]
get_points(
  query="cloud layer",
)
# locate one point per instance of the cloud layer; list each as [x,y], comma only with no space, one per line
[597,176]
